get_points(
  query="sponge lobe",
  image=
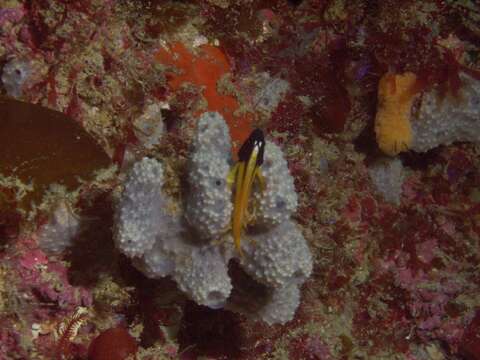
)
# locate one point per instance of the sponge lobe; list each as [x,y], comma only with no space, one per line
[279,256]
[140,208]
[278,201]
[204,276]
[209,202]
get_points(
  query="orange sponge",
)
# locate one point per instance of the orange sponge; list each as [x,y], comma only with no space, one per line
[396,93]
[204,70]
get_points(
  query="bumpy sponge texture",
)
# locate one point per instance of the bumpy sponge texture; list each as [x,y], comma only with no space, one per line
[442,121]
[204,276]
[278,201]
[140,208]
[281,306]
[165,244]
[156,263]
[279,256]
[170,243]
[209,202]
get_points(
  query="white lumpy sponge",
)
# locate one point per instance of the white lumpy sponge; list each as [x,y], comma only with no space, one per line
[15,74]
[156,263]
[160,261]
[165,244]
[282,304]
[160,243]
[209,201]
[442,121]
[204,276]
[140,209]
[279,256]
[59,233]
[388,175]
[278,201]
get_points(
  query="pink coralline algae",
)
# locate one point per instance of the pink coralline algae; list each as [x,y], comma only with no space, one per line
[43,294]
[433,291]
[470,344]
[311,348]
[47,280]
[10,342]
[11,15]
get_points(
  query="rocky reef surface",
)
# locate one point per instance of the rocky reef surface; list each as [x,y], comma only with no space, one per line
[121,120]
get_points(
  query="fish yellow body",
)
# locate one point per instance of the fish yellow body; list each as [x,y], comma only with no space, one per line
[243,175]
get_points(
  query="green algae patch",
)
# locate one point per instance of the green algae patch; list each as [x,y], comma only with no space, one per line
[40,147]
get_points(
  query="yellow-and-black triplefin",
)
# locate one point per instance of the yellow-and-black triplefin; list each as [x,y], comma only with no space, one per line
[250,159]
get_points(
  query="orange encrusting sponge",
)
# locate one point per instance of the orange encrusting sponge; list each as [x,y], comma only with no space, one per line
[205,70]
[396,93]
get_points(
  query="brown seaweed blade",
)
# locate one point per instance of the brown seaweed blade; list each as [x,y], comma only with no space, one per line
[43,146]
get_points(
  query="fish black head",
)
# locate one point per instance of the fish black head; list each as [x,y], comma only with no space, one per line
[256,140]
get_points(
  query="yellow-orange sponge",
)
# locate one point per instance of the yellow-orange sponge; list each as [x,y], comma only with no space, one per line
[396,93]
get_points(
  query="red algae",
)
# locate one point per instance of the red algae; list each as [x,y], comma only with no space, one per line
[112,344]
[287,117]
[309,348]
[470,345]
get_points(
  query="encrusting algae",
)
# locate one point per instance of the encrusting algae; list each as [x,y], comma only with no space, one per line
[396,93]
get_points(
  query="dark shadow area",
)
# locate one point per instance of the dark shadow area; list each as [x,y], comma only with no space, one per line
[9,226]
[247,294]
[158,304]
[93,251]
[366,143]
[421,161]
[208,332]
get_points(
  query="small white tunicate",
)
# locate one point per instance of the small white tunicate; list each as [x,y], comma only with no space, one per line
[15,74]
[271,94]
[388,175]
[59,233]
[149,126]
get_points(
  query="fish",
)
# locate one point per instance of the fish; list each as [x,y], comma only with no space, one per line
[244,173]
